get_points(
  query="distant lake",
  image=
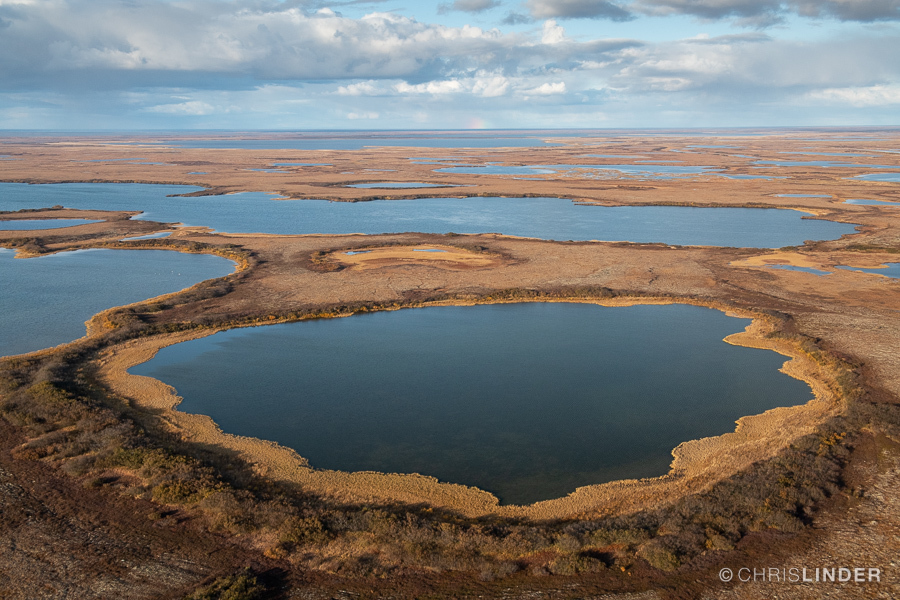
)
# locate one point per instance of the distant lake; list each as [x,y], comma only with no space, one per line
[892,177]
[655,171]
[546,218]
[891,270]
[864,202]
[528,401]
[358,143]
[27,224]
[47,299]
[398,185]
[826,164]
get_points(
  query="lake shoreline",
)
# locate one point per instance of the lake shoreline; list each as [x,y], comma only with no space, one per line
[696,464]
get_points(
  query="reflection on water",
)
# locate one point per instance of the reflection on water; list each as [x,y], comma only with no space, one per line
[528,401]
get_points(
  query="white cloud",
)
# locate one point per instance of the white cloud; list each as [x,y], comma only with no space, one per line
[354,116]
[491,87]
[363,88]
[875,95]
[432,87]
[218,61]
[547,89]
[553,33]
[193,108]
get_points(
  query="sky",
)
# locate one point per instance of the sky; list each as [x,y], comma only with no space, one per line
[451,64]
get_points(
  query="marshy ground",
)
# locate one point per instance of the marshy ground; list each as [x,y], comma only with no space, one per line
[808,486]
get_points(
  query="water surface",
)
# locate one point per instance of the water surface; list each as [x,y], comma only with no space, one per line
[891,177]
[358,143]
[528,401]
[891,270]
[864,202]
[819,272]
[27,224]
[655,171]
[546,218]
[398,185]
[47,299]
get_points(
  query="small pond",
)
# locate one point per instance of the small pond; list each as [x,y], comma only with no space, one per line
[528,401]
[864,202]
[891,270]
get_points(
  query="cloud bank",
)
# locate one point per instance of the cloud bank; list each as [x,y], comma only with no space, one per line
[267,63]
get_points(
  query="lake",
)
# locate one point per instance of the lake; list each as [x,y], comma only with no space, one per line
[528,401]
[28,224]
[546,218]
[47,299]
[358,143]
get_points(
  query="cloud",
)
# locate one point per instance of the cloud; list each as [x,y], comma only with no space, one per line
[849,10]
[469,6]
[875,95]
[191,108]
[577,9]
[105,39]
[552,33]
[515,18]
[432,87]
[355,116]
[767,12]
[490,87]
[748,13]
[362,88]
[547,89]
[742,68]
[266,63]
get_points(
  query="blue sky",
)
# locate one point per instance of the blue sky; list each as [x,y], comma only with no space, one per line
[454,64]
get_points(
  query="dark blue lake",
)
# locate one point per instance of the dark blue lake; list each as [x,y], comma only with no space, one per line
[546,218]
[47,299]
[528,401]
